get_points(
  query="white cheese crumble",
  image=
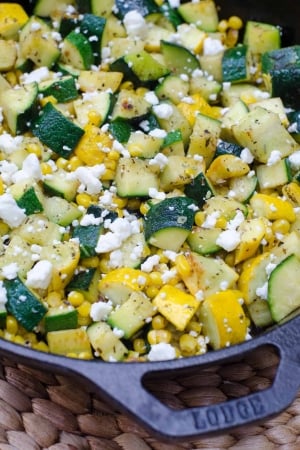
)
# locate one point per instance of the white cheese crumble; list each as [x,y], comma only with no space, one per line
[10,144]
[100,310]
[163,111]
[158,133]
[274,157]
[262,291]
[89,178]
[135,24]
[120,229]
[150,263]
[151,98]
[160,160]
[212,46]
[37,75]
[10,212]
[161,352]
[294,160]
[228,240]
[3,296]
[154,193]
[246,156]
[30,169]
[40,275]
[10,271]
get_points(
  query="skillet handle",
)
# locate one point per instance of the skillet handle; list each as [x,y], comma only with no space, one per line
[125,386]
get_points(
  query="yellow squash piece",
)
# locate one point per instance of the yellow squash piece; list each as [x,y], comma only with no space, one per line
[177,306]
[252,232]
[272,208]
[253,276]
[64,256]
[196,104]
[93,146]
[226,166]
[12,18]
[118,284]
[223,318]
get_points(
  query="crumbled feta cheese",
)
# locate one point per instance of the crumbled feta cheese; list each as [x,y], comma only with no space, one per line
[161,352]
[262,291]
[238,219]
[100,310]
[7,170]
[158,133]
[160,160]
[246,156]
[150,263]
[228,239]
[89,178]
[10,271]
[90,219]
[30,169]
[37,75]
[154,193]
[3,296]
[135,24]
[163,111]
[120,229]
[10,212]
[211,219]
[274,157]
[212,46]
[174,3]
[9,144]
[151,98]
[40,275]
[294,160]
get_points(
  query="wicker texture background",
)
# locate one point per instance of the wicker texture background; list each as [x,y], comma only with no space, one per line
[40,410]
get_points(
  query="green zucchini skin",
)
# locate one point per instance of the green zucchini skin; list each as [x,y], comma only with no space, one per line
[56,131]
[200,189]
[174,213]
[23,304]
[63,89]
[144,7]
[92,27]
[234,64]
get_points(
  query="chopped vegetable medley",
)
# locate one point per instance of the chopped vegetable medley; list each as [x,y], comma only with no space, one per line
[149,178]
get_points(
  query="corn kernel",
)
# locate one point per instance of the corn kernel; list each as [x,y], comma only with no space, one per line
[187,344]
[104,265]
[281,226]
[223,25]
[139,346]
[158,336]
[54,298]
[84,309]
[134,204]
[108,175]
[74,163]
[114,155]
[11,78]
[128,85]
[232,37]
[84,321]
[84,355]
[8,336]
[221,222]
[30,337]
[229,259]
[155,278]
[4,228]
[144,208]
[41,346]
[84,200]
[91,262]
[195,326]
[235,22]
[12,325]
[61,163]
[19,340]
[199,218]
[48,99]
[110,164]
[120,202]
[75,298]
[34,148]
[152,291]
[72,355]
[159,322]
[46,168]
[182,266]
[163,259]
[94,117]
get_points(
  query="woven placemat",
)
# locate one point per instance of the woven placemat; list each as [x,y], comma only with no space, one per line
[41,410]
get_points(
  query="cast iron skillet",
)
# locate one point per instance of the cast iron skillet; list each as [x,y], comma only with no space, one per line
[122,383]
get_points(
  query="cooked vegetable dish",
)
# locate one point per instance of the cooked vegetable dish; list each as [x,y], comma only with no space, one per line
[149,178]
